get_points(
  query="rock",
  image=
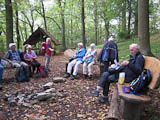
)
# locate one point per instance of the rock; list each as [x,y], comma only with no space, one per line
[48,85]
[12,103]
[34,102]
[2,116]
[59,80]
[53,94]
[51,90]
[43,96]
[26,104]
[60,94]
[52,99]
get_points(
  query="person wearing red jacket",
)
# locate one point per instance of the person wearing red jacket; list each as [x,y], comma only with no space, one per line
[49,50]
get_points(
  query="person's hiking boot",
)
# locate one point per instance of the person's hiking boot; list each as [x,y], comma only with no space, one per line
[67,75]
[84,76]
[103,100]
[73,77]
[94,93]
[90,77]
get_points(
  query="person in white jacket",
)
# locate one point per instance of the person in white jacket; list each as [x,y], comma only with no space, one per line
[89,60]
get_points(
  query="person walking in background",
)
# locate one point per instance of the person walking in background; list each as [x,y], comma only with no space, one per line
[77,60]
[49,50]
[89,60]
[109,54]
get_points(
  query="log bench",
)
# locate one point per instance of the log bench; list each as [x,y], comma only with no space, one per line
[130,106]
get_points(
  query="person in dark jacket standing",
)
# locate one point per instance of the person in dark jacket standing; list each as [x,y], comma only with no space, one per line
[132,69]
[109,53]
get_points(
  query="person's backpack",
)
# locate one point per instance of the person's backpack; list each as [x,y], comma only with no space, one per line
[43,47]
[22,74]
[141,83]
[43,72]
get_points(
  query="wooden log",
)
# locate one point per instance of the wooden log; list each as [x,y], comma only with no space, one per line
[114,113]
[130,111]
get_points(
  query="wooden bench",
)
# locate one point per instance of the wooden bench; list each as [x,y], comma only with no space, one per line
[130,106]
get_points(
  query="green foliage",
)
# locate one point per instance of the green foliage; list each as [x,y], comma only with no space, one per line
[123,35]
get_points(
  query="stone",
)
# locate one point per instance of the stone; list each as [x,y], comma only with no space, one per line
[52,99]
[26,104]
[59,80]
[43,96]
[60,94]
[51,90]
[12,103]
[36,101]
[48,85]
[2,116]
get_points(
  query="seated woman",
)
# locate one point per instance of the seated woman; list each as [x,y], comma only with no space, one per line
[30,57]
[89,61]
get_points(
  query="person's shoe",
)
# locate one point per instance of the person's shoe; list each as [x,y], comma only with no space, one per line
[103,100]
[90,77]
[84,76]
[73,77]
[94,93]
[67,75]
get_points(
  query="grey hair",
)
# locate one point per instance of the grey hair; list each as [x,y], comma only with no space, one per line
[81,44]
[48,39]
[134,45]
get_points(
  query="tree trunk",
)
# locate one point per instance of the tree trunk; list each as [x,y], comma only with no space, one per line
[17,28]
[124,16]
[83,24]
[71,33]
[44,16]
[129,16]
[136,21]
[107,30]
[63,26]
[95,22]
[9,22]
[143,27]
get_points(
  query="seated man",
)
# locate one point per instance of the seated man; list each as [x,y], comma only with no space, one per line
[30,57]
[77,60]
[89,61]
[14,56]
[132,69]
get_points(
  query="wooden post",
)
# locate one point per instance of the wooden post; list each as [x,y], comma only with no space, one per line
[130,110]
[114,110]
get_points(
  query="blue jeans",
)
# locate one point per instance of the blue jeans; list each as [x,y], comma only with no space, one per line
[105,81]
[1,72]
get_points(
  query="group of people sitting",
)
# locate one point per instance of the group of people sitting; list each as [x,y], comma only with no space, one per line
[108,56]
[26,59]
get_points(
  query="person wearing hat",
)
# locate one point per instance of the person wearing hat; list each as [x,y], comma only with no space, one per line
[13,56]
[30,57]
[49,50]
[89,61]
[109,54]
[77,60]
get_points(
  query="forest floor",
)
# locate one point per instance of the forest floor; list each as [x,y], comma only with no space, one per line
[77,104]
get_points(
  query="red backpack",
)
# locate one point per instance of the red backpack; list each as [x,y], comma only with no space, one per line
[43,47]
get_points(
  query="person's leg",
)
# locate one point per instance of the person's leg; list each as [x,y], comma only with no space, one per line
[101,84]
[70,66]
[85,68]
[104,97]
[76,67]
[16,64]
[23,64]
[106,65]
[1,72]
[47,61]
[90,68]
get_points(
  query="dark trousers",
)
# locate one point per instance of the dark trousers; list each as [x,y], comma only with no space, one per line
[105,81]
[34,64]
[107,64]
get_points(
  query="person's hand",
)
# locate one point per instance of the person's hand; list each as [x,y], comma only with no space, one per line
[124,63]
[74,57]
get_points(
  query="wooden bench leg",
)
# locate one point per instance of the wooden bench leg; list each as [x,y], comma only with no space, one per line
[113,109]
[130,111]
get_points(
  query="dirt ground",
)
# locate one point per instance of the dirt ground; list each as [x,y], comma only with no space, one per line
[77,103]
